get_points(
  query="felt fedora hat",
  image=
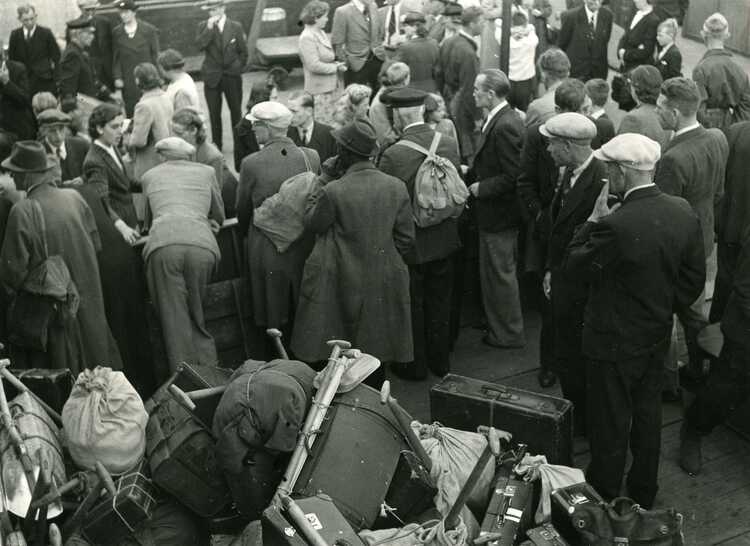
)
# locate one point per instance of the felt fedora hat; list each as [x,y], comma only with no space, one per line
[357,136]
[28,156]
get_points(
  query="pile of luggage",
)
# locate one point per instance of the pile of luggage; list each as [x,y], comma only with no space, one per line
[275,453]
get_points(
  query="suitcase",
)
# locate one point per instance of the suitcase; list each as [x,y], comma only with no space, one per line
[109,523]
[322,514]
[412,490]
[543,422]
[182,457]
[354,457]
[564,503]
[510,512]
[52,386]
[546,535]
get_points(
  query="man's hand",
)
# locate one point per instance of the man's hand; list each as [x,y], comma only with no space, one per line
[215,226]
[474,189]
[341,66]
[547,284]
[601,209]
[119,84]
[129,234]
[77,181]
[621,54]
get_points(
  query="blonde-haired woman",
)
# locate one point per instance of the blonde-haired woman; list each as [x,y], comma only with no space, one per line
[354,103]
[321,70]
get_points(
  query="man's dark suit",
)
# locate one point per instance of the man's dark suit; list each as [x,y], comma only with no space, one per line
[639,42]
[76,149]
[76,76]
[569,292]
[40,55]
[670,65]
[496,167]
[642,261]
[100,50]
[459,66]
[225,59]
[430,266]
[16,116]
[605,131]
[586,50]
[733,216]
[321,140]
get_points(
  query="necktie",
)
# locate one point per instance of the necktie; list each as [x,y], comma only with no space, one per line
[304,136]
[392,24]
[565,185]
[592,24]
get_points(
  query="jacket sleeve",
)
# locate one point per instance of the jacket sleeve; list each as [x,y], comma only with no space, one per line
[593,249]
[53,50]
[116,67]
[507,139]
[320,213]
[566,31]
[204,35]
[244,205]
[338,34]
[68,75]
[241,45]
[17,88]
[143,119]
[308,52]
[216,212]
[14,54]
[691,277]
[528,182]
[384,131]
[403,229]
[153,45]
[16,252]
[669,177]
[94,175]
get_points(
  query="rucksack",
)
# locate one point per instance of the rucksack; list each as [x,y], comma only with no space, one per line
[439,192]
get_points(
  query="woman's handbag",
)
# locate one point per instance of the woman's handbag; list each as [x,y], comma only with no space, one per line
[47,293]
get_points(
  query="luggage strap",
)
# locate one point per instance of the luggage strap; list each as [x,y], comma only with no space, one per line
[143,492]
[422,150]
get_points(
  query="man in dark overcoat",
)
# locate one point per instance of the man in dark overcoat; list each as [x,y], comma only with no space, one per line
[16,117]
[569,136]
[723,84]
[222,41]
[275,277]
[493,173]
[355,284]
[733,216]
[69,150]
[431,269]
[305,131]
[641,259]
[584,36]
[71,233]
[459,66]
[693,167]
[76,73]
[36,48]
[100,50]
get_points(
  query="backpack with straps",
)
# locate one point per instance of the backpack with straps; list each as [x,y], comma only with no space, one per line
[439,192]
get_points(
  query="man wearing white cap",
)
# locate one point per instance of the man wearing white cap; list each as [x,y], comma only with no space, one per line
[723,84]
[274,277]
[578,187]
[643,259]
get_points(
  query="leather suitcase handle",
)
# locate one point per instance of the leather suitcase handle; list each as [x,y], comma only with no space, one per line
[501,393]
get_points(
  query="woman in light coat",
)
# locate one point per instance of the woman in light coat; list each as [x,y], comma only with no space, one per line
[319,60]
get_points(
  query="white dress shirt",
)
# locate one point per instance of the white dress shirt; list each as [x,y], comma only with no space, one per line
[221,22]
[578,170]
[305,132]
[591,15]
[493,113]
[393,11]
[28,34]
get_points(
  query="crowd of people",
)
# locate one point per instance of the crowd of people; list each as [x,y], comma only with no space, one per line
[117,193]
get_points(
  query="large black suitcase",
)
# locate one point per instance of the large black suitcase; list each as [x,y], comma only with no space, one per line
[543,422]
[354,458]
[412,491]
[509,513]
[52,386]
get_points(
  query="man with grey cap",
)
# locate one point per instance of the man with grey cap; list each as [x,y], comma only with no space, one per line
[569,143]
[275,277]
[723,84]
[642,259]
[181,254]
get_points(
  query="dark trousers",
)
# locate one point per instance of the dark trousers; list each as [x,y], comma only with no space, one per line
[727,255]
[522,93]
[624,409]
[431,287]
[367,75]
[231,88]
[728,385]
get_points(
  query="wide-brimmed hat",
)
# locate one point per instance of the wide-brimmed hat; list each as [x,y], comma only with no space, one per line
[28,156]
[357,136]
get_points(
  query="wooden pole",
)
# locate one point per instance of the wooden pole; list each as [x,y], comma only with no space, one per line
[252,36]
[505,42]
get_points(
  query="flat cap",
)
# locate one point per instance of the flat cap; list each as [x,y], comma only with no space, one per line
[175,145]
[414,17]
[126,4]
[79,23]
[452,9]
[271,113]
[358,137]
[403,97]
[53,116]
[716,23]
[631,150]
[170,59]
[569,126]
[211,4]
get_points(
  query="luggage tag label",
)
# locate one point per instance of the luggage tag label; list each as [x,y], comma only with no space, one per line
[314,521]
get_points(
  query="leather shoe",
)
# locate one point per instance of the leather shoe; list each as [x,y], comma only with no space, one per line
[487,341]
[546,378]
[690,450]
